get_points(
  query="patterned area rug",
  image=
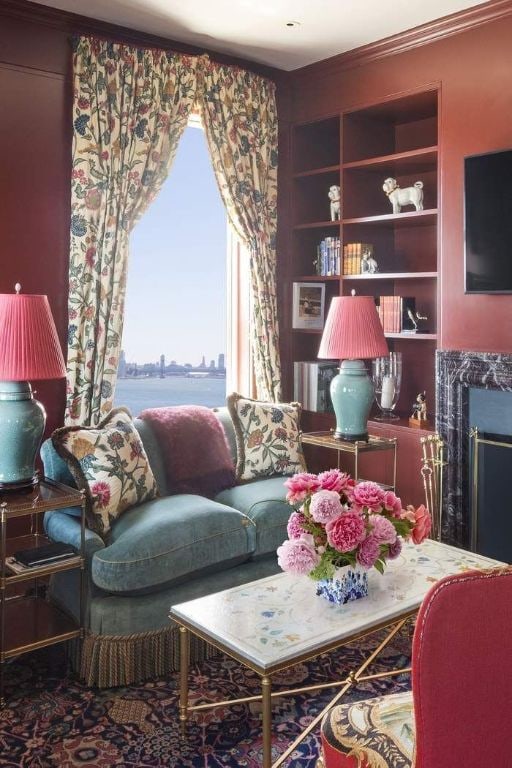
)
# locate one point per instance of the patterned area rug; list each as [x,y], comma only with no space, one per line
[53,721]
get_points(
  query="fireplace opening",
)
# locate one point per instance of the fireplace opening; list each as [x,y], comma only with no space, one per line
[472,389]
[490,477]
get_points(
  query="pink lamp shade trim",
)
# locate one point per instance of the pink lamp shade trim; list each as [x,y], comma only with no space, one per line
[352,330]
[29,345]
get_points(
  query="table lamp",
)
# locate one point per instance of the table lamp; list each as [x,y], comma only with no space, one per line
[30,349]
[352,332]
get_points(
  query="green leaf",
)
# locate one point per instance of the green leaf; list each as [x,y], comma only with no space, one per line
[379,565]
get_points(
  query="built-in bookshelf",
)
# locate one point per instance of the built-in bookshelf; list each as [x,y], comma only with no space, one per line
[358,150]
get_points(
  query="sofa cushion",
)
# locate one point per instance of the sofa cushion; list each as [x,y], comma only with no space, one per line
[168,540]
[108,461]
[194,449]
[154,454]
[267,437]
[264,502]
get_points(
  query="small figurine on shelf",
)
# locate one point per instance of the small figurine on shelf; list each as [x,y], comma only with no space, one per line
[419,412]
[334,197]
[368,264]
[414,317]
[406,196]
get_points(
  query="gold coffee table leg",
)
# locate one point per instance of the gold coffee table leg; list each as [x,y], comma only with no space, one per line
[184,661]
[266,690]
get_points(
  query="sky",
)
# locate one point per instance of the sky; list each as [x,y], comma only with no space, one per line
[176,288]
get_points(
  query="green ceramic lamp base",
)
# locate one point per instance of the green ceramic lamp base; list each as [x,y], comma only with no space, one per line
[22,421]
[352,394]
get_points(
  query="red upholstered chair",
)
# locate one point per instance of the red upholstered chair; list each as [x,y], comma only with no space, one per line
[459,713]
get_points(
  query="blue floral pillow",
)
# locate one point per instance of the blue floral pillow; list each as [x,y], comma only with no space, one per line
[110,464]
[267,437]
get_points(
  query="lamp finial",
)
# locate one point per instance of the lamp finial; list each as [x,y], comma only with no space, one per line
[17,287]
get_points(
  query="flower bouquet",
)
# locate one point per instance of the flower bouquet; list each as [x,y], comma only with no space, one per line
[338,524]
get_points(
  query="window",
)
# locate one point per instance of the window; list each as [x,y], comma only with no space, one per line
[174,339]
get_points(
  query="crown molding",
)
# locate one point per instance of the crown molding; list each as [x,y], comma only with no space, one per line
[432,31]
[73,23]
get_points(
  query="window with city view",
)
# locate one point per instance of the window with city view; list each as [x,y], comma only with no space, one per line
[174,335]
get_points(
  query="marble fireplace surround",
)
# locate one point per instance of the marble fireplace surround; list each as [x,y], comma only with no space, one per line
[456,373]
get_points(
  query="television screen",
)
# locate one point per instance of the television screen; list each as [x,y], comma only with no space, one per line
[488,222]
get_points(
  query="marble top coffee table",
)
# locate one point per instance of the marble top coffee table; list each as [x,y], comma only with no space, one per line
[278,621]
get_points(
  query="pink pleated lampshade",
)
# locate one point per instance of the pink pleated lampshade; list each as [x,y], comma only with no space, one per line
[29,345]
[352,330]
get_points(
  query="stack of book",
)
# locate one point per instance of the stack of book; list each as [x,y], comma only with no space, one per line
[328,257]
[311,383]
[396,313]
[352,253]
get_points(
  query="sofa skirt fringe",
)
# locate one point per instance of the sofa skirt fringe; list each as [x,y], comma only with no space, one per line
[107,661]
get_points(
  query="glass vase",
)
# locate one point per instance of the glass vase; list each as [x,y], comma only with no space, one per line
[348,583]
[387,379]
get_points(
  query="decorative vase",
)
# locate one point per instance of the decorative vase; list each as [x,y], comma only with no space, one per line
[348,583]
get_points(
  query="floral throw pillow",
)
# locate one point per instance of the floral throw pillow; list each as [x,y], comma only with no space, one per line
[267,437]
[110,464]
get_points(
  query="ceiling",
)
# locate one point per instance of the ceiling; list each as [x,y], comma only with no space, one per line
[257,29]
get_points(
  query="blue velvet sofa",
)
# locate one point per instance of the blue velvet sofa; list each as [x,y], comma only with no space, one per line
[160,553]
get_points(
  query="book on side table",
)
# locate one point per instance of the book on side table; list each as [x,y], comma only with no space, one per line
[44,555]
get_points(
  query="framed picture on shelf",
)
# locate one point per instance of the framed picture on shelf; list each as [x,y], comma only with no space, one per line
[308,305]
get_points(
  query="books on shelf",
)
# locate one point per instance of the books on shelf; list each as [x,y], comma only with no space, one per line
[352,255]
[328,257]
[311,383]
[396,313]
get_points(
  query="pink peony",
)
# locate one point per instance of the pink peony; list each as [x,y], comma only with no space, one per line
[334,480]
[423,524]
[367,494]
[395,549]
[392,503]
[383,529]
[408,514]
[325,506]
[346,531]
[294,527]
[298,556]
[300,485]
[368,552]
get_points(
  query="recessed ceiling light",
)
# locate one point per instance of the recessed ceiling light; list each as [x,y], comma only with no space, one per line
[293,23]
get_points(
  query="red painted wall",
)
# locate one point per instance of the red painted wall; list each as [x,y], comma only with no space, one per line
[474,71]
[34,182]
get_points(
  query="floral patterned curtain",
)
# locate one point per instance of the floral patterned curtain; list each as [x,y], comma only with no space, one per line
[129,111]
[240,119]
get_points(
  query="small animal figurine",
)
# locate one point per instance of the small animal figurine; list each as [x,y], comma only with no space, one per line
[368,263]
[407,196]
[414,317]
[419,408]
[334,197]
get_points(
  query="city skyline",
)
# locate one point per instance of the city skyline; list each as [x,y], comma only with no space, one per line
[206,361]
[133,368]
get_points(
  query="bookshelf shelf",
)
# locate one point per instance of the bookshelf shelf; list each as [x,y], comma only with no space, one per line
[317,171]
[405,219]
[399,163]
[412,336]
[317,278]
[317,225]
[393,276]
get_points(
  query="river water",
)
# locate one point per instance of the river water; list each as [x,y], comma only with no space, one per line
[141,393]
